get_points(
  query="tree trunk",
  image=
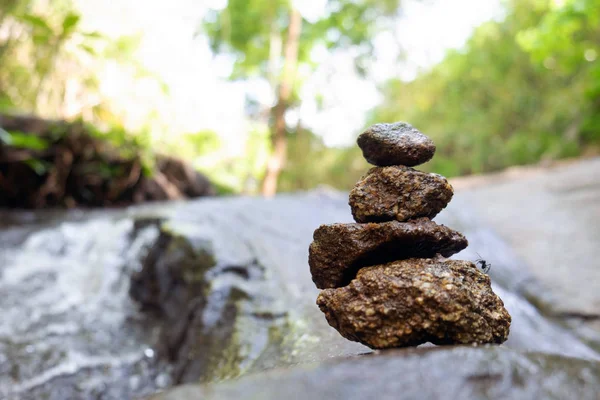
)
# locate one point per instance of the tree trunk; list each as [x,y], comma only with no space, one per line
[278,131]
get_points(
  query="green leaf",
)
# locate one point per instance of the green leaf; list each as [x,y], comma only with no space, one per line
[88,49]
[40,39]
[70,23]
[37,22]
[92,35]
[40,167]
[23,140]
[5,103]
[123,47]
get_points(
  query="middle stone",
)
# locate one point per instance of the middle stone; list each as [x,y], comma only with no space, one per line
[340,250]
[399,193]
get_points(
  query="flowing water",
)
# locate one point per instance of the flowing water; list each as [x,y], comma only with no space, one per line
[67,321]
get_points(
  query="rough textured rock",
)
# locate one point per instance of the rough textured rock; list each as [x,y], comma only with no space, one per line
[490,372]
[399,193]
[395,144]
[410,302]
[421,298]
[340,250]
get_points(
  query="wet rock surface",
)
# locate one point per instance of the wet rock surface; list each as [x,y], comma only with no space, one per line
[399,193]
[415,301]
[489,372]
[203,304]
[395,144]
[340,250]
[69,329]
[554,230]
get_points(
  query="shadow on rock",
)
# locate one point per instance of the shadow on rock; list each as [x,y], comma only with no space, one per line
[491,372]
[216,318]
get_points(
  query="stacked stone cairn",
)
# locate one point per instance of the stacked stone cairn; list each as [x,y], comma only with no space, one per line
[386,280]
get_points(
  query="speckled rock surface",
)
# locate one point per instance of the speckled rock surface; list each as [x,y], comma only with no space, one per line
[395,144]
[410,302]
[399,193]
[340,250]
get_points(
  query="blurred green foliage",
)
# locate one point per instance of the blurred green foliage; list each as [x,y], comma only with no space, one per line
[238,173]
[33,53]
[250,29]
[524,89]
[42,51]
[22,140]
[311,163]
[272,40]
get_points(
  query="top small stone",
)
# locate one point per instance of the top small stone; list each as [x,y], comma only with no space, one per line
[395,144]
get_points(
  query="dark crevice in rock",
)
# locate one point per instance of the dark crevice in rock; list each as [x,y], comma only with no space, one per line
[237,270]
[198,356]
[144,286]
[176,336]
[212,312]
[577,315]
[384,254]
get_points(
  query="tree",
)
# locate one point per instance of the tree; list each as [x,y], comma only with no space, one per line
[522,90]
[49,64]
[270,39]
[567,41]
[313,164]
[33,50]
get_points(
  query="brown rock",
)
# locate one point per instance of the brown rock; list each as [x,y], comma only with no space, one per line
[400,193]
[410,302]
[340,250]
[395,144]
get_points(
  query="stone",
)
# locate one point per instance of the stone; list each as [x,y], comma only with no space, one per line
[399,193]
[247,235]
[486,372]
[340,250]
[204,303]
[416,301]
[395,144]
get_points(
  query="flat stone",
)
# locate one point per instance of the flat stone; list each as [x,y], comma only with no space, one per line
[340,250]
[399,193]
[395,144]
[416,301]
[461,372]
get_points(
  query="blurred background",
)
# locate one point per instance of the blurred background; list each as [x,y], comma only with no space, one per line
[266,96]
[107,104]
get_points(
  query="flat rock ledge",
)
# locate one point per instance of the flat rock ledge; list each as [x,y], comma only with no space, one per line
[486,372]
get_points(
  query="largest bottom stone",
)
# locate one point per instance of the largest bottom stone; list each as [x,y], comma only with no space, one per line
[415,301]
